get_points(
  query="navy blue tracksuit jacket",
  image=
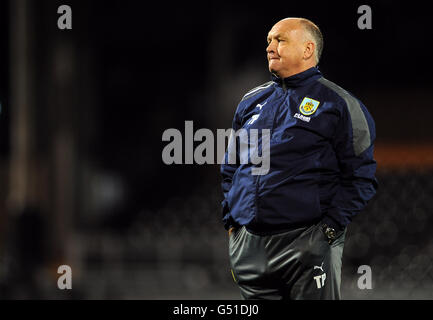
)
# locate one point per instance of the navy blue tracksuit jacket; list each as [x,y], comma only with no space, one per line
[321,156]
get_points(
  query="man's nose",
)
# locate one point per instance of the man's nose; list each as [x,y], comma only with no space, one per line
[271,47]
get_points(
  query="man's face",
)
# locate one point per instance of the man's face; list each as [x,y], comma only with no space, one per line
[285,49]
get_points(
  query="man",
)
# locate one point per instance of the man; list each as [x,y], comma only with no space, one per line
[287,227]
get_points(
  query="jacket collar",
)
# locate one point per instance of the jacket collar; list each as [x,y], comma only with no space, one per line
[299,79]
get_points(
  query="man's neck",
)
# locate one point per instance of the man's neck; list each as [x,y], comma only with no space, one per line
[295,71]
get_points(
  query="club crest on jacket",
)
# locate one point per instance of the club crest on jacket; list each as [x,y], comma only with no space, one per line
[308,106]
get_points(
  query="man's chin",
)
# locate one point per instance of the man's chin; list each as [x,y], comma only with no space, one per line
[274,72]
[274,65]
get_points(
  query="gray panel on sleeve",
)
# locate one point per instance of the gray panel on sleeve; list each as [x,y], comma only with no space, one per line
[361,131]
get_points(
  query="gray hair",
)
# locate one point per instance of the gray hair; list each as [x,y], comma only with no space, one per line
[316,35]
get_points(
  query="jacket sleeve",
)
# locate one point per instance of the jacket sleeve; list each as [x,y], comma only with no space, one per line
[228,170]
[353,144]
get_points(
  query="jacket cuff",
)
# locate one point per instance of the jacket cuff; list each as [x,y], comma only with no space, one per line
[227,220]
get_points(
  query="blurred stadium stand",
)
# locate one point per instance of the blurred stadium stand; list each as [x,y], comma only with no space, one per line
[180,251]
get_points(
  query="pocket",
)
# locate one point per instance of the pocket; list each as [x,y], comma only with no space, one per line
[233,251]
[234,240]
[314,246]
[233,237]
[340,239]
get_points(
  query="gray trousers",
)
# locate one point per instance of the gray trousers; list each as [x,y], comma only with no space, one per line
[295,264]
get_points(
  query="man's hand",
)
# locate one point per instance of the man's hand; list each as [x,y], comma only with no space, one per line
[231,230]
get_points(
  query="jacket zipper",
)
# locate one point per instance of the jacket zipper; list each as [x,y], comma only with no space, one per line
[256,200]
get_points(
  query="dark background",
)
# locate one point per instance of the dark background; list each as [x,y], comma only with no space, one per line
[82,180]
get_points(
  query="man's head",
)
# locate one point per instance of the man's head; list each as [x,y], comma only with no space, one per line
[294,45]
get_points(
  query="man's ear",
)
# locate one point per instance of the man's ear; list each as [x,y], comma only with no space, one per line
[309,50]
